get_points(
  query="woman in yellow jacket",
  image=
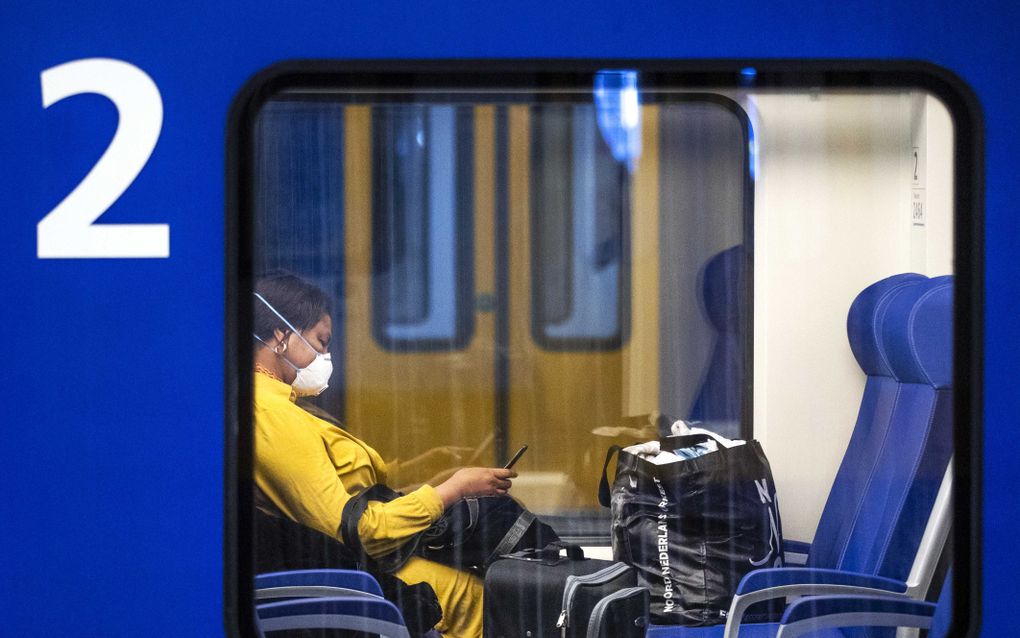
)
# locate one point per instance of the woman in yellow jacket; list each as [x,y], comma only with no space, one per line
[307,469]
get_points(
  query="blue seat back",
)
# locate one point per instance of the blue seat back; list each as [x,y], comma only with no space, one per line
[719,401]
[864,321]
[884,535]
[917,338]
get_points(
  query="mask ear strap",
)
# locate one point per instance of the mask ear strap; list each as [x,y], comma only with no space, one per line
[284,320]
[270,306]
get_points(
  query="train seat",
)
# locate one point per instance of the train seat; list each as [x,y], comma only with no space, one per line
[353,613]
[876,521]
[326,599]
[865,322]
[718,403]
[295,562]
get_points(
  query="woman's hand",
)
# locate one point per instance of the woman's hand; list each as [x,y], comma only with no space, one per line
[475,481]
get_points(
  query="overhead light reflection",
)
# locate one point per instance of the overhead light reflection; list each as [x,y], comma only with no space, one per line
[618,112]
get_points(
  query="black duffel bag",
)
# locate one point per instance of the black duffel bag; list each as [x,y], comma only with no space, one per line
[470,535]
[693,528]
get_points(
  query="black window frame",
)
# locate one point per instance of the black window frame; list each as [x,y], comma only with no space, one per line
[364,76]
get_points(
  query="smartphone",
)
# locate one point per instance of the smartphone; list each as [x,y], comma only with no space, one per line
[517,456]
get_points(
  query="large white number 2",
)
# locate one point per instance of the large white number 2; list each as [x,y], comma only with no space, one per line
[68,230]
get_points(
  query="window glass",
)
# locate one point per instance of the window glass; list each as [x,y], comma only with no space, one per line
[509,273]
[612,262]
[705,263]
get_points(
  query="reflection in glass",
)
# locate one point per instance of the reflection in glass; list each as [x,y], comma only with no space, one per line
[578,216]
[421,226]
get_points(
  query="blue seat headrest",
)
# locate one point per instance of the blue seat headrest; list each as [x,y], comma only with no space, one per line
[918,333]
[722,288]
[863,322]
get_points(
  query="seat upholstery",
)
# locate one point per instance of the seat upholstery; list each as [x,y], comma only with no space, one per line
[885,533]
[719,400]
[910,470]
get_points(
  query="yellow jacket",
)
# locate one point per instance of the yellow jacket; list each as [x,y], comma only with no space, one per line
[309,469]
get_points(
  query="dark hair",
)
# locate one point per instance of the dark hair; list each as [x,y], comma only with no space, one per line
[302,303]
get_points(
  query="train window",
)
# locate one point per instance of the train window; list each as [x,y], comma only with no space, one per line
[592,259]
[421,226]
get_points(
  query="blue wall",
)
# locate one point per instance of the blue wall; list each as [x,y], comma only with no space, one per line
[111,433]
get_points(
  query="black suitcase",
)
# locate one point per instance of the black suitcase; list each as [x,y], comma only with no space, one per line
[539,594]
[622,614]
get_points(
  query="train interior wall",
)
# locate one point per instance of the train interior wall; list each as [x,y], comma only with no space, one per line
[833,214]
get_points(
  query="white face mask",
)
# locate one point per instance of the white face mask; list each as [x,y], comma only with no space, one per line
[312,379]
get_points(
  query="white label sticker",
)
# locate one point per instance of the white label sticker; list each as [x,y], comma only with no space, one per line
[917,206]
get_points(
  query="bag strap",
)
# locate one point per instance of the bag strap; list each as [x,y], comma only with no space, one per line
[514,534]
[604,498]
[355,508]
[550,554]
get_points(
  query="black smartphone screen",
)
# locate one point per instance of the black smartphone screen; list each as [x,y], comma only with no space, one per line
[516,457]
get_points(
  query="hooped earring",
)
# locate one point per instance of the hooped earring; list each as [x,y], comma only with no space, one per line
[280,349]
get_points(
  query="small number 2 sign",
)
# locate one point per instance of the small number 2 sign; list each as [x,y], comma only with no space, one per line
[69,230]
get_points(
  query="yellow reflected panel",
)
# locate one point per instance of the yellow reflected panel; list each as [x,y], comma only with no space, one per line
[405,403]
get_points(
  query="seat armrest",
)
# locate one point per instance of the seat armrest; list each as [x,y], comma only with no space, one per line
[761,579]
[815,613]
[331,582]
[767,584]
